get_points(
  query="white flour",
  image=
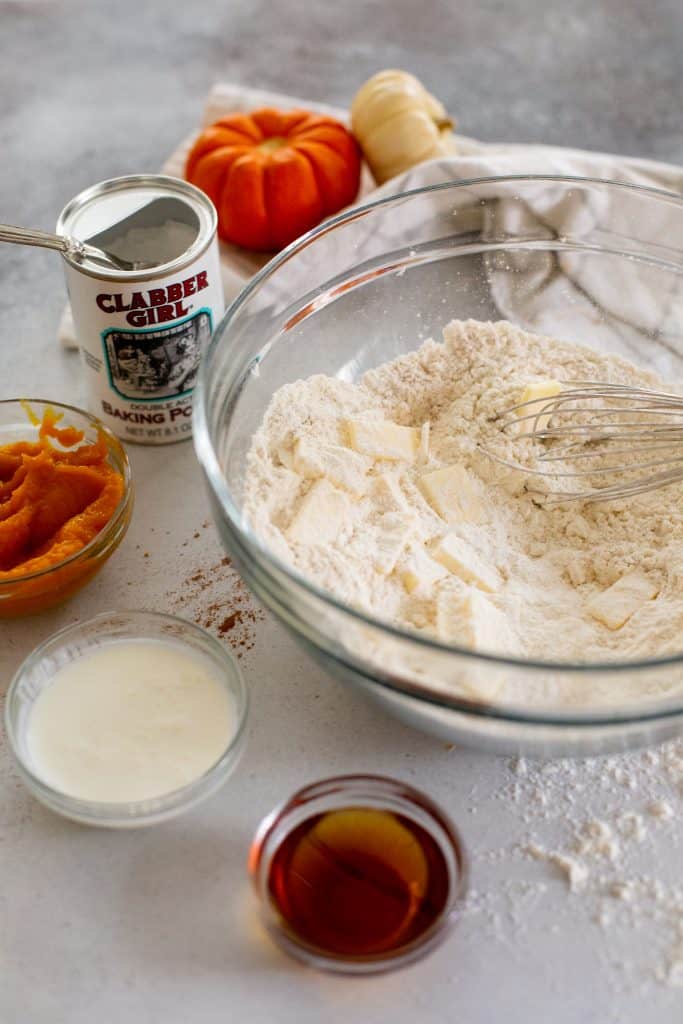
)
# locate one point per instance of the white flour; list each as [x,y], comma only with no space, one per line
[609,862]
[549,560]
[596,829]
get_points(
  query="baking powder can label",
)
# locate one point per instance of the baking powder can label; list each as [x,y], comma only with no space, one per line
[142,332]
[142,344]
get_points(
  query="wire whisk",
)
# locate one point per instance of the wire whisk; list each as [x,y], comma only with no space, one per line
[619,439]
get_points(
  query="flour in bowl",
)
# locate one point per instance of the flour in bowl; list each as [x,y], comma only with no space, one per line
[379,492]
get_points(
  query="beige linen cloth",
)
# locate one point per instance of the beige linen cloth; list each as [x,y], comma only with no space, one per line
[474,160]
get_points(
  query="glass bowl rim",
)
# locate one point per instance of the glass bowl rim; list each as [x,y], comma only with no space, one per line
[207,457]
[132,812]
[114,448]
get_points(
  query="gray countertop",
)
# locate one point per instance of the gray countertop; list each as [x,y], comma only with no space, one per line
[158,925]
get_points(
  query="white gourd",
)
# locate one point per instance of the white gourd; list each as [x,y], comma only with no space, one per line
[399,124]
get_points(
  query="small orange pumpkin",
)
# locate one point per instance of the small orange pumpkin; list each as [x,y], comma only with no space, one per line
[273,175]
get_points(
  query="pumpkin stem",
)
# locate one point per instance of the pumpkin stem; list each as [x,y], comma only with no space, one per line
[275,142]
[444,124]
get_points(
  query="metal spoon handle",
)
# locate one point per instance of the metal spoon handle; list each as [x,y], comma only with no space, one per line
[71,247]
[45,239]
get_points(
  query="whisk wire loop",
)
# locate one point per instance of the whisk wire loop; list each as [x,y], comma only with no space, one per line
[594,423]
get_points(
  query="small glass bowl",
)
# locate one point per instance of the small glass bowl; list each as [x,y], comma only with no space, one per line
[35,592]
[37,672]
[354,792]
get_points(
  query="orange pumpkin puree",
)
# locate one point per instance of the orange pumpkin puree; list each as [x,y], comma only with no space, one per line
[53,501]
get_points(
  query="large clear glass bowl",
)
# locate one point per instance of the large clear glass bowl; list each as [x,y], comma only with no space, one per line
[595,262]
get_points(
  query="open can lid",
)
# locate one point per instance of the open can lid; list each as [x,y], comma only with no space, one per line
[143,216]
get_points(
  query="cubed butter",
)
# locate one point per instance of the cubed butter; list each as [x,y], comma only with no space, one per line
[618,603]
[465,616]
[388,489]
[382,439]
[418,571]
[285,454]
[454,493]
[390,538]
[423,448]
[322,515]
[382,542]
[460,558]
[341,466]
[537,392]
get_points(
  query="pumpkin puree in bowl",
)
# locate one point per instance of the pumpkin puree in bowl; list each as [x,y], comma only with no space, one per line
[53,500]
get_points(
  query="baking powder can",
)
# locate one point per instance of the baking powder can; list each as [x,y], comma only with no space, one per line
[142,332]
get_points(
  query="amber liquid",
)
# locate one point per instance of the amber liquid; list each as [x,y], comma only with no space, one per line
[359,882]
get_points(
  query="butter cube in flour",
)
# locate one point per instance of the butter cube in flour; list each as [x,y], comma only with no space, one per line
[618,603]
[418,571]
[388,491]
[382,542]
[383,439]
[323,513]
[342,467]
[535,393]
[460,558]
[423,448]
[454,493]
[390,538]
[464,616]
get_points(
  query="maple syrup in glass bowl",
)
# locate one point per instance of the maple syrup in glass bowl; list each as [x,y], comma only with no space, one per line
[358,874]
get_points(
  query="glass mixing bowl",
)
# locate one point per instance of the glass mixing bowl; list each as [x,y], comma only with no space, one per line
[591,261]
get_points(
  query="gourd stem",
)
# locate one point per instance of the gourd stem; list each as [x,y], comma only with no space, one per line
[274,142]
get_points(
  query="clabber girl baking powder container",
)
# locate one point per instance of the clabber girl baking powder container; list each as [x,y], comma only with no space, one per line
[142,332]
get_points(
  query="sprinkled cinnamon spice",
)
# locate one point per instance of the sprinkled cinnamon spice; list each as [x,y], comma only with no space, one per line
[213,595]
[229,623]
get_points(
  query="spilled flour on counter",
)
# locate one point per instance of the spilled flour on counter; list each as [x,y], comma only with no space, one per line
[379,493]
[608,831]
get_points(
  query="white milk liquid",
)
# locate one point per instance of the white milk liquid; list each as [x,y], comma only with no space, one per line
[132,720]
